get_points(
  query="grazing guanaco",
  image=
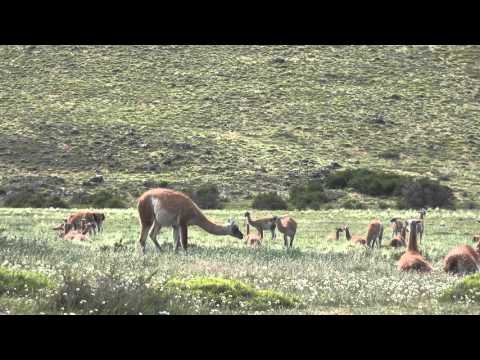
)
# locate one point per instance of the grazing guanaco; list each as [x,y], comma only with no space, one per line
[252,239]
[375,233]
[288,227]
[165,207]
[412,259]
[399,240]
[356,239]
[266,223]
[463,259]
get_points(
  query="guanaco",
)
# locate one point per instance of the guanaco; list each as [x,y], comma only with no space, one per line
[81,235]
[356,239]
[252,239]
[463,259]
[95,217]
[335,236]
[266,223]
[397,226]
[165,207]
[420,223]
[375,233]
[412,259]
[399,240]
[288,227]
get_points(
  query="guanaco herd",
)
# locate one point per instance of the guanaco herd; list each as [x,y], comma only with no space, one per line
[162,207]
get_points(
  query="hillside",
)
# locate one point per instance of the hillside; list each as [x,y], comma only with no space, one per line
[248,118]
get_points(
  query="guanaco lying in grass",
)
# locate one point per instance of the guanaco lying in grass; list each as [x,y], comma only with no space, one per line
[463,259]
[399,239]
[412,259]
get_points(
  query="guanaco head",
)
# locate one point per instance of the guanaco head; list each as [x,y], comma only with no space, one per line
[233,229]
[423,212]
[393,220]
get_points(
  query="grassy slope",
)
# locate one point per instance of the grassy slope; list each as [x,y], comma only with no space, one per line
[329,277]
[249,119]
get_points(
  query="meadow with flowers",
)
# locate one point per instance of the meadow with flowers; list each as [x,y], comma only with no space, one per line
[43,274]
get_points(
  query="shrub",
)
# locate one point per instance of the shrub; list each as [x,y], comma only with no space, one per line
[467,289]
[26,199]
[353,204]
[206,196]
[269,201]
[106,199]
[309,196]
[390,155]
[468,205]
[376,183]
[383,205]
[21,282]
[425,192]
[232,293]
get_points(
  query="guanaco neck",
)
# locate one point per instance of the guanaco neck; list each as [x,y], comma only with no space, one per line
[249,219]
[347,233]
[412,241]
[337,234]
[201,220]
[248,229]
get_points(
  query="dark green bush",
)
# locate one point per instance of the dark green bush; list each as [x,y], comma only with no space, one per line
[207,196]
[309,196]
[353,204]
[269,201]
[375,183]
[107,199]
[27,199]
[390,154]
[425,192]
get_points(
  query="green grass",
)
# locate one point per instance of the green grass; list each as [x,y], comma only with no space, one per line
[247,120]
[318,276]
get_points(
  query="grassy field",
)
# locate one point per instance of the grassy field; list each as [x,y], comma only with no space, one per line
[242,117]
[220,275]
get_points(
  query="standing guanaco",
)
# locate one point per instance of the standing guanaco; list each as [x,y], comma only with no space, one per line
[266,223]
[252,239]
[397,226]
[375,233]
[288,227]
[162,207]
